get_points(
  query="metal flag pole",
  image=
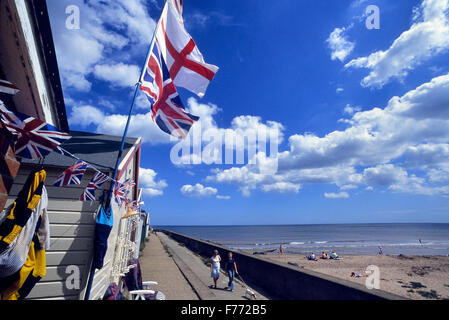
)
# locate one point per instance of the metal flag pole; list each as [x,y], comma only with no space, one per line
[122,146]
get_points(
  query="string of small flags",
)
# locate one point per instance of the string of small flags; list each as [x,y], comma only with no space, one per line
[74,174]
[35,139]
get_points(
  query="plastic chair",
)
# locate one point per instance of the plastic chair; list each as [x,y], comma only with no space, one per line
[138,290]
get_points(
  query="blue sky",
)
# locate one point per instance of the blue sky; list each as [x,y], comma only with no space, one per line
[362,112]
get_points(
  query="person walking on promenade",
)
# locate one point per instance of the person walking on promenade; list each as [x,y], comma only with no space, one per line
[231,268]
[215,267]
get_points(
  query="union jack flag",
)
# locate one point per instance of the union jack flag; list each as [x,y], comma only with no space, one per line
[72,175]
[129,184]
[8,88]
[120,193]
[168,112]
[34,138]
[97,181]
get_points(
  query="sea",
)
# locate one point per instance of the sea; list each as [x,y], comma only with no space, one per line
[351,239]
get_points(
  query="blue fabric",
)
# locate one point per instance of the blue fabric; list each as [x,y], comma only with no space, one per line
[113,292]
[103,227]
[215,273]
[231,274]
[230,265]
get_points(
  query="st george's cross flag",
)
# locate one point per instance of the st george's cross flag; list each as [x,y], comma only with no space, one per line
[34,138]
[72,175]
[97,181]
[178,7]
[181,54]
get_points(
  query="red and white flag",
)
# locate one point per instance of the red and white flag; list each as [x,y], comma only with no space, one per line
[8,87]
[184,60]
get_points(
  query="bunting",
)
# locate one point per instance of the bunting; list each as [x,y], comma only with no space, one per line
[97,181]
[72,175]
[34,138]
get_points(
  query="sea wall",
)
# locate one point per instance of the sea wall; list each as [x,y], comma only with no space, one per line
[279,281]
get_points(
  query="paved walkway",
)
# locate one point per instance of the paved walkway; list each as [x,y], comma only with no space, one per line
[157,265]
[198,274]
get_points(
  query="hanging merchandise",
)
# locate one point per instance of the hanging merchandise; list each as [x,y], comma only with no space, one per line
[103,227]
[34,138]
[129,213]
[24,238]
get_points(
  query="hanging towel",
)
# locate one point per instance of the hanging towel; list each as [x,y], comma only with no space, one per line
[24,237]
[19,222]
[103,227]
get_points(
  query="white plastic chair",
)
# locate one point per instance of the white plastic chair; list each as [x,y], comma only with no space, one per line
[143,294]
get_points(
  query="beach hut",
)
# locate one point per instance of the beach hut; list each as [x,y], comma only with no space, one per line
[28,62]
[72,221]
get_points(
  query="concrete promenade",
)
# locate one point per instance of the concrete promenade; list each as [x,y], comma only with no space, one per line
[158,266]
[183,275]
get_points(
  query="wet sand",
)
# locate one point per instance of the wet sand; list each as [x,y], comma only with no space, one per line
[414,277]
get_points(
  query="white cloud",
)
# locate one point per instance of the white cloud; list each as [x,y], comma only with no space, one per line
[339,90]
[79,51]
[425,39]
[86,115]
[341,195]
[351,110]
[281,187]
[201,20]
[348,187]
[198,190]
[403,148]
[150,186]
[385,174]
[141,126]
[339,44]
[119,75]
[223,197]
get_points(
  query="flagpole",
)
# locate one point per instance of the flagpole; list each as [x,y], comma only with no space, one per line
[120,153]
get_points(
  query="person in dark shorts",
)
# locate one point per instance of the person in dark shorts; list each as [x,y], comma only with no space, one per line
[231,268]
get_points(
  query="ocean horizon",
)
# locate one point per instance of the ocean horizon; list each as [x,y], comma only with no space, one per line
[352,239]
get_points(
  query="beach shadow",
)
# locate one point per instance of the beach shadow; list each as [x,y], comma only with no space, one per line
[222,289]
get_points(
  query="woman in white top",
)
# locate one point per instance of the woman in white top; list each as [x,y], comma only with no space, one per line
[215,267]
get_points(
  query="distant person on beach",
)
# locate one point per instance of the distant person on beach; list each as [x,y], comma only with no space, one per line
[231,268]
[334,255]
[312,257]
[380,251]
[281,250]
[357,275]
[323,255]
[215,267]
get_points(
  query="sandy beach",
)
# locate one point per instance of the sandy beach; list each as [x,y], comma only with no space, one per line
[414,277]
